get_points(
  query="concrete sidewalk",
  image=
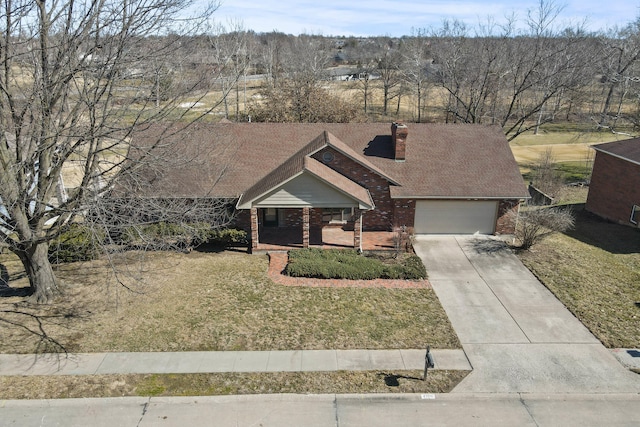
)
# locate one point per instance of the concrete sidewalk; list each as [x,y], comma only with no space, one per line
[227,361]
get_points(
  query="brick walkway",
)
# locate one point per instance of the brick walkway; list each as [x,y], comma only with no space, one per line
[278,261]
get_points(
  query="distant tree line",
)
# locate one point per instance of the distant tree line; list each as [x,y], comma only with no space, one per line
[519,75]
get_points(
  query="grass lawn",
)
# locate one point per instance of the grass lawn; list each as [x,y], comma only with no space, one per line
[217,301]
[595,271]
[554,136]
[62,387]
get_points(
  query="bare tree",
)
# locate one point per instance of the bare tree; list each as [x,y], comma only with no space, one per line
[534,224]
[366,69]
[516,80]
[364,54]
[417,57]
[389,64]
[72,91]
[229,45]
[546,177]
[307,60]
[298,95]
[620,70]
[272,48]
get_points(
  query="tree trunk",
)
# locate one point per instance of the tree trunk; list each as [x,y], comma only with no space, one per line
[42,279]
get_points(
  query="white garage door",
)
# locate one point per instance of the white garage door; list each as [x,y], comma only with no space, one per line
[455,216]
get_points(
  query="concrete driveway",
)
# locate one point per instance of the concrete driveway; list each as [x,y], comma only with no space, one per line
[516,334]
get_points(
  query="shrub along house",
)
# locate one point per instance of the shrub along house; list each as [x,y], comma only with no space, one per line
[614,191]
[434,178]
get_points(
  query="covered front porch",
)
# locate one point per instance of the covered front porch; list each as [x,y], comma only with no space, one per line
[326,237]
[284,228]
[293,207]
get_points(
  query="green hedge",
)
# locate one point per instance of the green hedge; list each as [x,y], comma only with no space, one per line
[349,264]
[227,237]
[164,235]
[76,243]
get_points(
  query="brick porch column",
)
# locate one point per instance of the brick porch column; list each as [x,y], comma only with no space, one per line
[357,230]
[305,227]
[254,229]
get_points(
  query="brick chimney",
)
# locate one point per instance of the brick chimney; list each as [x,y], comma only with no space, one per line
[399,132]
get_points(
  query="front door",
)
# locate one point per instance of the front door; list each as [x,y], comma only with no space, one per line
[270,217]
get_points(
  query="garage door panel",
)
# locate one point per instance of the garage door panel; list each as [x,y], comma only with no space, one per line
[455,216]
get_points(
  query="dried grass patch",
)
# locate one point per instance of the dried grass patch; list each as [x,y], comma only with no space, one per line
[530,154]
[595,271]
[219,301]
[61,387]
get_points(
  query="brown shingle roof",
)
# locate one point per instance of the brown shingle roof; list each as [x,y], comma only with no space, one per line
[301,162]
[442,160]
[628,149]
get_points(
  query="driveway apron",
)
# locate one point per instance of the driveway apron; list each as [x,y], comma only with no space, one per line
[516,334]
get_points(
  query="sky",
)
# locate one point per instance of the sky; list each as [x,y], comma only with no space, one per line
[398,17]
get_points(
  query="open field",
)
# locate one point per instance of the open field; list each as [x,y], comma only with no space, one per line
[595,271]
[566,146]
[560,136]
[217,301]
[530,154]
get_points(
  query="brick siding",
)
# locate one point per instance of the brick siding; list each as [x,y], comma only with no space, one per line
[379,219]
[404,212]
[505,223]
[614,188]
[242,220]
[399,134]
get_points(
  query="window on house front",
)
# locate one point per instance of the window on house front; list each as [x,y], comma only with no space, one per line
[635,214]
[270,217]
[337,215]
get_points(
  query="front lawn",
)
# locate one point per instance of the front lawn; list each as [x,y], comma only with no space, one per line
[216,301]
[595,271]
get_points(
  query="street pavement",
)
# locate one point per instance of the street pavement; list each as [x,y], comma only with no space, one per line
[456,409]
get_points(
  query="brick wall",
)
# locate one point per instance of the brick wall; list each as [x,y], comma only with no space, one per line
[505,223]
[291,217]
[382,216]
[404,212]
[399,134]
[315,218]
[614,188]
[242,220]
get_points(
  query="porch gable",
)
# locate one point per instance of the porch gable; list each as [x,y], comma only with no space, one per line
[308,190]
[315,185]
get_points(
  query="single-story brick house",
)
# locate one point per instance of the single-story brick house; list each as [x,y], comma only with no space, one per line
[614,191]
[434,178]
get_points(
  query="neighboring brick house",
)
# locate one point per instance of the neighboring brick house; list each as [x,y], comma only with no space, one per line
[434,178]
[614,191]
